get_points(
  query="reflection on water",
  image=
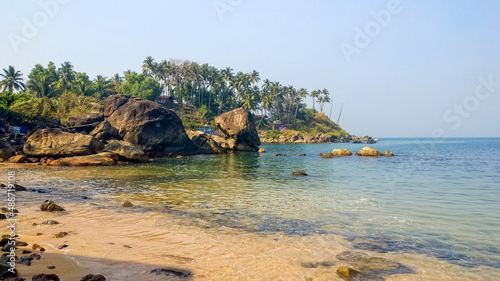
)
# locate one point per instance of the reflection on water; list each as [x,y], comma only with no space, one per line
[437,199]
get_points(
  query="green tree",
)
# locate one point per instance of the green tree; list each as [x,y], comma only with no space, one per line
[12,80]
[66,76]
[138,85]
[83,85]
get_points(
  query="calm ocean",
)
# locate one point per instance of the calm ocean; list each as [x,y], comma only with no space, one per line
[439,198]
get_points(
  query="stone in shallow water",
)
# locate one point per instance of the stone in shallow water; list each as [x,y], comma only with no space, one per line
[50,206]
[299,173]
[92,277]
[347,272]
[170,271]
[373,265]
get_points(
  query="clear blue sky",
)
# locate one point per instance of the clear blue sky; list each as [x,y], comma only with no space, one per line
[418,73]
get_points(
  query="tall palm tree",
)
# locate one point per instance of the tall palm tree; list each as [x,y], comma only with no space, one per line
[325,98]
[315,94]
[40,86]
[12,79]
[66,76]
[148,66]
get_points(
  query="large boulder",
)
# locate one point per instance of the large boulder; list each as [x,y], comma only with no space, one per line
[105,131]
[126,151]
[101,159]
[56,143]
[238,124]
[85,119]
[148,126]
[207,143]
[368,151]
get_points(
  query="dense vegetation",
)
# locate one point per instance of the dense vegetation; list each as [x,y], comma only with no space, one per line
[200,92]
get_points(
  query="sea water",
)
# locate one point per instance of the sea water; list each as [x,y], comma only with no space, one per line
[439,198]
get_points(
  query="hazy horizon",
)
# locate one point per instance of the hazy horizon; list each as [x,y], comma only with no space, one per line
[399,68]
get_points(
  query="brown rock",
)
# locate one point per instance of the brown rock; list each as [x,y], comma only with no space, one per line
[85,119]
[299,173]
[45,277]
[49,206]
[105,131]
[261,150]
[127,204]
[327,155]
[207,143]
[38,247]
[6,151]
[368,151]
[341,152]
[61,234]
[347,272]
[101,159]
[388,153]
[126,151]
[18,159]
[56,143]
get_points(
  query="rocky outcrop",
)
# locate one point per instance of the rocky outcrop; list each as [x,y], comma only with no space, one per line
[104,131]
[368,151]
[207,143]
[101,159]
[388,153]
[18,159]
[84,121]
[148,126]
[56,143]
[318,138]
[49,206]
[6,150]
[299,173]
[238,125]
[341,152]
[126,151]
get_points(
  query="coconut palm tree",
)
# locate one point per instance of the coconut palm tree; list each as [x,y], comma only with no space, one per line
[315,94]
[66,76]
[149,66]
[40,86]
[12,80]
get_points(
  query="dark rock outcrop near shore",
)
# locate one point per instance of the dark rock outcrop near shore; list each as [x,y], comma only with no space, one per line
[147,125]
[56,143]
[49,206]
[239,126]
[84,123]
[208,143]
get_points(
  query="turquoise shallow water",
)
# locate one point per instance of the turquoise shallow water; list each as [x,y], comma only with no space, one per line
[437,197]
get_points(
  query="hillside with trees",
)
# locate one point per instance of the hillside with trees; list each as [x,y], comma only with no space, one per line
[199,93]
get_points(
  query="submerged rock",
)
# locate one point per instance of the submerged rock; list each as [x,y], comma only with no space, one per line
[347,272]
[49,206]
[279,154]
[45,277]
[299,173]
[239,125]
[327,155]
[127,204]
[368,151]
[170,271]
[56,143]
[92,277]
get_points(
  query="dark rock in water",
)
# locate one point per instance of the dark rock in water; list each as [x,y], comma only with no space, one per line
[148,126]
[50,222]
[26,260]
[170,271]
[299,154]
[3,217]
[6,248]
[279,154]
[126,151]
[4,267]
[105,131]
[239,125]
[291,150]
[38,247]
[21,243]
[4,242]
[60,247]
[299,173]
[327,155]
[51,267]
[17,188]
[49,206]
[45,277]
[56,143]
[127,204]
[92,277]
